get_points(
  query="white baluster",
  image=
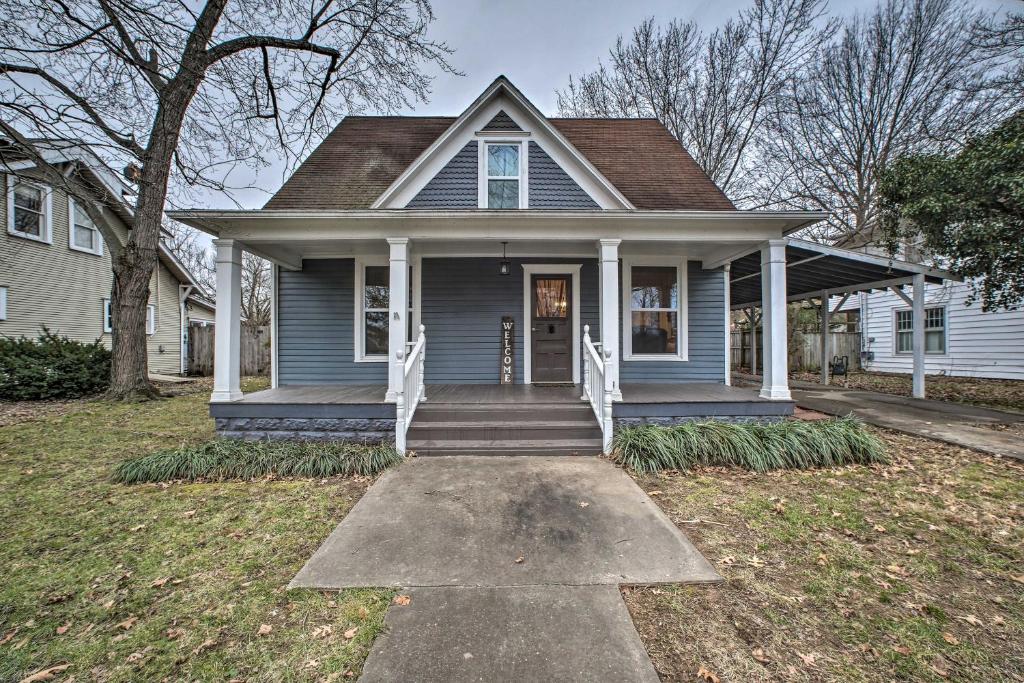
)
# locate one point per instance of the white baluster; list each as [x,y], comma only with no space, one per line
[423,363]
[400,425]
[586,363]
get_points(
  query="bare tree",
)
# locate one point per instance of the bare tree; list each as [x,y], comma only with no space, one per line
[255,290]
[1004,40]
[188,245]
[713,92]
[178,93]
[905,78]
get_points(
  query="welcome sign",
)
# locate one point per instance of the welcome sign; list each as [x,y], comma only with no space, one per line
[508,337]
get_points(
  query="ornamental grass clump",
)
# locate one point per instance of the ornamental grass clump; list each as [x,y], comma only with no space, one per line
[225,459]
[757,446]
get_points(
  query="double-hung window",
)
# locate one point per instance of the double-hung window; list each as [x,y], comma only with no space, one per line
[503,173]
[373,299]
[28,209]
[654,311]
[934,330]
[150,318]
[83,233]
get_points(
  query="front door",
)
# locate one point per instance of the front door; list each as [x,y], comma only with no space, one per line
[551,328]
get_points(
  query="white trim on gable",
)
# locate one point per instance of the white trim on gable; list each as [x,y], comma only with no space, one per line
[501,96]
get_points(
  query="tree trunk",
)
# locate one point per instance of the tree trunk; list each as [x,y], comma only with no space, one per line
[129,371]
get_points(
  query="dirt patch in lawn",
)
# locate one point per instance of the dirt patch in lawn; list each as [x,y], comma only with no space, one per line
[1001,394]
[911,571]
[164,582]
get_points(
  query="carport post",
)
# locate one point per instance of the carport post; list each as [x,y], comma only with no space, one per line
[826,351]
[917,316]
[775,378]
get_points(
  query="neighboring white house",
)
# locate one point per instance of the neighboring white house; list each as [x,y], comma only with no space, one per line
[55,268]
[960,340]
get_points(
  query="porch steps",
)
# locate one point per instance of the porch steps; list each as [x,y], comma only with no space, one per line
[557,428]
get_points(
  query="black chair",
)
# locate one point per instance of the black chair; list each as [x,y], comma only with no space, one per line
[839,366]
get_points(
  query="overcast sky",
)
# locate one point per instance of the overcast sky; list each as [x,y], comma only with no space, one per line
[537,44]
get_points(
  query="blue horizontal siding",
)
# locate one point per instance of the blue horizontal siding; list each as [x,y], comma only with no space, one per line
[462,303]
[706,336]
[316,326]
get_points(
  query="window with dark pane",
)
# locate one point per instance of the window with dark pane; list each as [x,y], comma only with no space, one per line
[28,210]
[654,310]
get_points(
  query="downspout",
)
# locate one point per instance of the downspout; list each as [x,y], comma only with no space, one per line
[183,292]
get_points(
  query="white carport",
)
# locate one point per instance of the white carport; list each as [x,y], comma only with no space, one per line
[816,271]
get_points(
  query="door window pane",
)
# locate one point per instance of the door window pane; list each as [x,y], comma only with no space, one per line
[551,298]
[654,287]
[654,331]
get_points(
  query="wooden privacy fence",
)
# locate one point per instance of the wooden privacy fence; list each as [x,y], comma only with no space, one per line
[255,350]
[804,350]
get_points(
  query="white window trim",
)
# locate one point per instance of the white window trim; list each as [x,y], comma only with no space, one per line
[150,318]
[72,227]
[683,314]
[47,231]
[896,333]
[3,302]
[530,269]
[523,178]
[359,348]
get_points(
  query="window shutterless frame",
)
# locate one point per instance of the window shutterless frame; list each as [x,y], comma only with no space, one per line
[936,320]
[79,221]
[44,211]
[359,354]
[483,172]
[682,308]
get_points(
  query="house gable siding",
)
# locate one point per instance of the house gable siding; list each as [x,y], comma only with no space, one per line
[550,187]
[454,186]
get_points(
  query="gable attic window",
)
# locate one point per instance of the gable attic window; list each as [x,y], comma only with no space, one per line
[28,210]
[503,175]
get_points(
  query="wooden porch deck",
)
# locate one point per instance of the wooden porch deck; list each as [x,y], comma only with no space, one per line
[638,400]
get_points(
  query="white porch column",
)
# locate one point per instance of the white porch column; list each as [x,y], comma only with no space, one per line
[917,315]
[227,349]
[773,316]
[726,269]
[398,310]
[610,321]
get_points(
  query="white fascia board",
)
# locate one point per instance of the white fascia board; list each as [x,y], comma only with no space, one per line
[500,96]
[299,226]
[875,260]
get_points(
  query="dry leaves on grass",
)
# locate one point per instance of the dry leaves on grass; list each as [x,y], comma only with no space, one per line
[707,675]
[351,633]
[264,630]
[47,674]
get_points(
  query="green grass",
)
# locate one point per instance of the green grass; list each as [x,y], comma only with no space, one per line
[757,446]
[192,569]
[224,459]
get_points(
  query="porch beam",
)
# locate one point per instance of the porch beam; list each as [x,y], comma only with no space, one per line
[398,309]
[283,258]
[227,349]
[608,251]
[775,385]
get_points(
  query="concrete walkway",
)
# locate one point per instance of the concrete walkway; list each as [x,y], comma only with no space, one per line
[512,566]
[955,423]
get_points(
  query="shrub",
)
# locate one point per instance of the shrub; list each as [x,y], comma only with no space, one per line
[51,367]
[758,446]
[236,459]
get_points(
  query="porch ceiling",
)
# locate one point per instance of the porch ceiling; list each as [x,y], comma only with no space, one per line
[815,268]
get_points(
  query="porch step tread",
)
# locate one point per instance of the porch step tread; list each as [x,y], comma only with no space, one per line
[506,447]
[510,424]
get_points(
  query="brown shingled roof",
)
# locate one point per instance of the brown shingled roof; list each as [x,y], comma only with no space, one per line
[363,155]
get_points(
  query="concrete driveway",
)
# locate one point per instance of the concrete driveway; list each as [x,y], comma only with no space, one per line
[511,566]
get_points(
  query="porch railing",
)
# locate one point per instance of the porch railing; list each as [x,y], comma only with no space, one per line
[595,388]
[413,389]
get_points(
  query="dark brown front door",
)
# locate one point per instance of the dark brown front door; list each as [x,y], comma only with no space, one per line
[551,328]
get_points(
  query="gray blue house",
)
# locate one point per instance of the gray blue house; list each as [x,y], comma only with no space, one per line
[496,282]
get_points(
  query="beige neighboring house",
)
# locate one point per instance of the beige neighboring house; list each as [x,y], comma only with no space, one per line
[55,269]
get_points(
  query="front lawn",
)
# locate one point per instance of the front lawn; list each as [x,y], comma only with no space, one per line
[908,571]
[1001,394]
[163,582]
